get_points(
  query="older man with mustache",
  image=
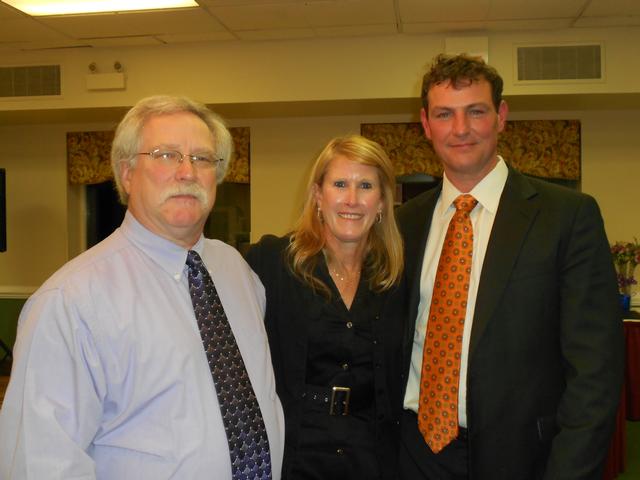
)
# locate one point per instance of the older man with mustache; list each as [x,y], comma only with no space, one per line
[146,356]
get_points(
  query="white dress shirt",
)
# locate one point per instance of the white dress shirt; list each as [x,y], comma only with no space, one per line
[110,379]
[487,192]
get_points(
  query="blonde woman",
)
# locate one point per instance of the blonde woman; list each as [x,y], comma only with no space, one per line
[334,327]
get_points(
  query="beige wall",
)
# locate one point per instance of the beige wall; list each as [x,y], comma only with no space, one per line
[611,169]
[38,239]
[44,215]
[36,204]
[305,70]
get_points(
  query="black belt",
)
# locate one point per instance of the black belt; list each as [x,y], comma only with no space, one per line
[338,400]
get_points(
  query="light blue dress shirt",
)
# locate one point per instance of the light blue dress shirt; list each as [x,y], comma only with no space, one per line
[110,379]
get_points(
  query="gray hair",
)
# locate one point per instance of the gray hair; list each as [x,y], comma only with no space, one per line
[128,137]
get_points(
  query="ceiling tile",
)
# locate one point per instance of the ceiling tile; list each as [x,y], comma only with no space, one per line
[605,8]
[57,45]
[27,30]
[486,26]
[527,9]
[196,37]
[353,12]
[306,14]
[7,12]
[356,30]
[418,11]
[261,17]
[529,24]
[601,22]
[442,27]
[124,41]
[226,3]
[281,34]
[134,23]
[254,20]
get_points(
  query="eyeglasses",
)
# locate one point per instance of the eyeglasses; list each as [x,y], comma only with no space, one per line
[173,158]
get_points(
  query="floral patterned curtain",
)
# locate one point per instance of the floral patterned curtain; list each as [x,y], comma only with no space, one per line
[88,157]
[544,148]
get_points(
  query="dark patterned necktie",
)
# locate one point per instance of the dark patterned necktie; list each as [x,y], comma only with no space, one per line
[438,407]
[243,423]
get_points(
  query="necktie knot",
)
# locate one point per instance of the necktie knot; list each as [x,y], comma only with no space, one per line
[193,259]
[465,203]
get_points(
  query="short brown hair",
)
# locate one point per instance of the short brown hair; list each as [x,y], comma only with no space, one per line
[461,69]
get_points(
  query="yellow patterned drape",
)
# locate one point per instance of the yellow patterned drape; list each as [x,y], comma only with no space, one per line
[88,157]
[238,171]
[544,148]
[405,143]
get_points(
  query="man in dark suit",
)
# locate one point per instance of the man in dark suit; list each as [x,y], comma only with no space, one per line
[537,375]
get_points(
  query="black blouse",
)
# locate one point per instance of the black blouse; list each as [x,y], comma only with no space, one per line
[340,341]
[318,343]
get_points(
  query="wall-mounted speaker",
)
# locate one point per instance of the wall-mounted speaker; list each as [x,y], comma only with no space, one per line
[3,211]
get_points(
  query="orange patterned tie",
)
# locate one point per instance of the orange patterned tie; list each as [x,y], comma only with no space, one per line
[438,407]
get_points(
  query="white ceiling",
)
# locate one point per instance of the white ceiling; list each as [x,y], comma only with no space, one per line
[221,20]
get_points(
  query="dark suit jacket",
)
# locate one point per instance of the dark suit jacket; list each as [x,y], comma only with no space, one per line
[291,307]
[545,357]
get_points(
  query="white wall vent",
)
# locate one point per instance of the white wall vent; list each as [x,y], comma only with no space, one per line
[561,62]
[31,81]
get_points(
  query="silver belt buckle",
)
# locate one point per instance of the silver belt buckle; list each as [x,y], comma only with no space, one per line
[340,397]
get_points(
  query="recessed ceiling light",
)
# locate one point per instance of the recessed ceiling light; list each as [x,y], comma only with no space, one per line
[70,7]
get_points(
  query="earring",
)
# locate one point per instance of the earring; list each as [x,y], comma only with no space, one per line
[379,217]
[319,213]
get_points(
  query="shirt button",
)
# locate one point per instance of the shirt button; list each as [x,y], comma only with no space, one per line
[340,451]
[349,325]
[345,366]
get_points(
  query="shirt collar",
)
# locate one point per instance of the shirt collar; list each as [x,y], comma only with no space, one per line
[487,191]
[169,256]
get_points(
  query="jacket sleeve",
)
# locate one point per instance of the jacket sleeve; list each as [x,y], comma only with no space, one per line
[591,339]
[264,258]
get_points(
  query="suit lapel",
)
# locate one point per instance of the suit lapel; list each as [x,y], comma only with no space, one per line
[417,243]
[415,229]
[514,218]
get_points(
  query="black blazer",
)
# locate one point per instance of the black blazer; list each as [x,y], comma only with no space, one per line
[546,350]
[291,306]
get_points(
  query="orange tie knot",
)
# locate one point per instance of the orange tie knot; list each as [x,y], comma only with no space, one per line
[465,203]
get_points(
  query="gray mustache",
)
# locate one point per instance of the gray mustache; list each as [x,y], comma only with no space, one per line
[194,190]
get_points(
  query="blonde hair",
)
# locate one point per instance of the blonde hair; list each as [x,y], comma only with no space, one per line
[383,252]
